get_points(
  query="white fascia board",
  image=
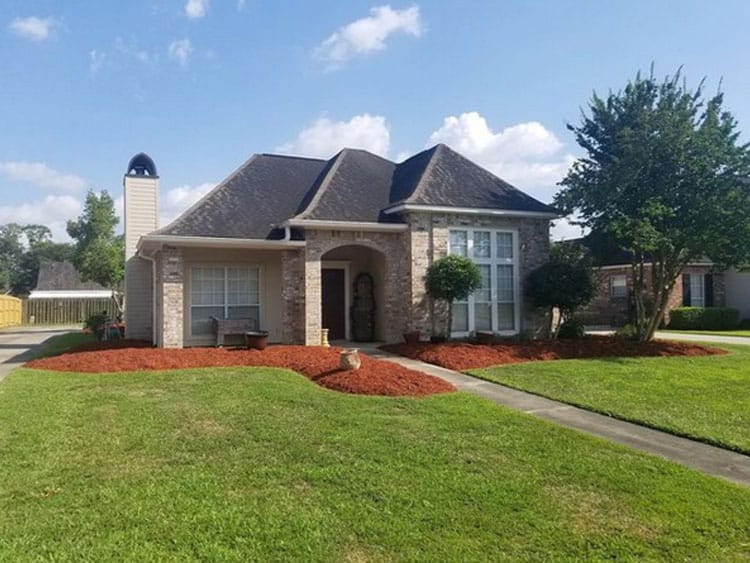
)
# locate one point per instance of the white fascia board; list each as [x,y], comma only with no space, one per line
[155,242]
[71,294]
[345,225]
[628,265]
[471,211]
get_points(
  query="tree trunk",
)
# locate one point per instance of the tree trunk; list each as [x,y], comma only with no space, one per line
[450,321]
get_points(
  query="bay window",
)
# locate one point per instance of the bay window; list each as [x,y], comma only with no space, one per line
[493,306]
[223,292]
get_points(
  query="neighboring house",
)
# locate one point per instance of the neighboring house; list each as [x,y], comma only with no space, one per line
[702,284]
[738,291]
[283,239]
[61,280]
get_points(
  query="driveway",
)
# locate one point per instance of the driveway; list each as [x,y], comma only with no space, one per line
[19,344]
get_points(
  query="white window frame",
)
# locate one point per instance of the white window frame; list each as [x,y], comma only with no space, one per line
[621,277]
[493,261]
[225,266]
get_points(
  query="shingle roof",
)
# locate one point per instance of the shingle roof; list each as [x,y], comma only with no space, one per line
[61,276]
[354,185]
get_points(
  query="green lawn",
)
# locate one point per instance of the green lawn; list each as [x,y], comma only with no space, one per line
[64,342]
[706,398]
[262,464]
[743,333]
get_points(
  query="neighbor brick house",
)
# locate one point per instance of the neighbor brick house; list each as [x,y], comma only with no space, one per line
[701,285]
[283,240]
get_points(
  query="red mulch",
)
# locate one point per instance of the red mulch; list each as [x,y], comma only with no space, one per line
[461,356]
[321,365]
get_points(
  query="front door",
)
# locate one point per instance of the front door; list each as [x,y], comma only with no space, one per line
[333,281]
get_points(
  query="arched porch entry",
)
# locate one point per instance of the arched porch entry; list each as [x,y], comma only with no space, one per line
[353,282]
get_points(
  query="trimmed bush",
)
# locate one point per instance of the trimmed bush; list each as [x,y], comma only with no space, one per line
[572,329]
[704,318]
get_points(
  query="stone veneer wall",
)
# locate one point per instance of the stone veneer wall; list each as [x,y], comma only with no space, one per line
[394,246]
[170,295]
[428,241]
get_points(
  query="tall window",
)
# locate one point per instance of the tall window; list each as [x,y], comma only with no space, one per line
[492,307]
[222,292]
[618,286]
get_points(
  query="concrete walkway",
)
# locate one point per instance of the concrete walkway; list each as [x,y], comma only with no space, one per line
[709,459]
[707,338]
[19,344]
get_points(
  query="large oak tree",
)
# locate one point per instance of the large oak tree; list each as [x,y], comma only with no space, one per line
[666,177]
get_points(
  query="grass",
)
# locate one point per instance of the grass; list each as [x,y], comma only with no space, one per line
[705,398]
[261,464]
[62,343]
[743,333]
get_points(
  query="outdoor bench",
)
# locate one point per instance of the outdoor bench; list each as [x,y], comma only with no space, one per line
[223,327]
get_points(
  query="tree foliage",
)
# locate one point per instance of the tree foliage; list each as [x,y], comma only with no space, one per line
[452,278]
[99,252]
[565,282]
[22,249]
[665,176]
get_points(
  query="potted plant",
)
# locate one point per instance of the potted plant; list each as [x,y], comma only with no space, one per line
[450,279]
[256,339]
[350,359]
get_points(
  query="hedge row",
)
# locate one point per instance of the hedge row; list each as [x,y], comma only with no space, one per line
[704,318]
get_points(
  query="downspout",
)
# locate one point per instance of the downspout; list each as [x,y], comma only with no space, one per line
[153,296]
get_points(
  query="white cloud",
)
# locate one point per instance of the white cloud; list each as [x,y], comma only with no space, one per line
[241,4]
[196,9]
[96,60]
[52,211]
[33,28]
[40,175]
[132,50]
[180,51]
[325,138]
[527,154]
[369,34]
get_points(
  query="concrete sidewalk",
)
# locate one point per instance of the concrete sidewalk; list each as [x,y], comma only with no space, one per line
[19,344]
[697,455]
[687,337]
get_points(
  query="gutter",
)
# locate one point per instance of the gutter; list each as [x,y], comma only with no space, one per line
[219,242]
[346,225]
[471,211]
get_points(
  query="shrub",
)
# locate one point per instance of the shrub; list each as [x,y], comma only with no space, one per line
[704,318]
[451,279]
[628,331]
[95,323]
[745,324]
[572,329]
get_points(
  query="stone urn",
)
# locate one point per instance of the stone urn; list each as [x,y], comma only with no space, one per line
[324,338]
[350,359]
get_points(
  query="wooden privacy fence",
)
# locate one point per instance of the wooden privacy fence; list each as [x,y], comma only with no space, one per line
[10,311]
[65,311]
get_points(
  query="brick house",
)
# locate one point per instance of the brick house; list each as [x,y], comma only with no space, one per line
[701,285]
[300,244]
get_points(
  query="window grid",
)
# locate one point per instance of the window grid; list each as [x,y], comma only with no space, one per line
[493,306]
[225,292]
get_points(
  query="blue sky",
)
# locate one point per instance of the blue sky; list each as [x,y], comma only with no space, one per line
[201,85]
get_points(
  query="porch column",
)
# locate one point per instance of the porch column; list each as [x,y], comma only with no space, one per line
[293,297]
[313,310]
[171,297]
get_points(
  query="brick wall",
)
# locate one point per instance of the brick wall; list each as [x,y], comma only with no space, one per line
[171,295]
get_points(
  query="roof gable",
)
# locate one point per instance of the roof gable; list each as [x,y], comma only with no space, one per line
[62,276]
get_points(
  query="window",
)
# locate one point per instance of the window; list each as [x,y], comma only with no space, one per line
[492,307]
[224,293]
[618,286]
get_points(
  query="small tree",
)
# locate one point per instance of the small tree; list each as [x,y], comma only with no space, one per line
[665,176]
[451,279]
[565,282]
[99,253]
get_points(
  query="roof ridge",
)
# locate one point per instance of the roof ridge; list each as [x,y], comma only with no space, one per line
[213,190]
[337,160]
[427,170]
[293,156]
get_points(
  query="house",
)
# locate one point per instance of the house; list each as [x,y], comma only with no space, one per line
[60,296]
[295,244]
[702,284]
[61,280]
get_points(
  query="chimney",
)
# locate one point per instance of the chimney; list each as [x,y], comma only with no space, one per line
[141,188]
[141,192]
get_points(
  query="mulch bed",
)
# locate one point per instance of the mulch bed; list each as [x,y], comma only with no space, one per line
[321,365]
[461,356]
